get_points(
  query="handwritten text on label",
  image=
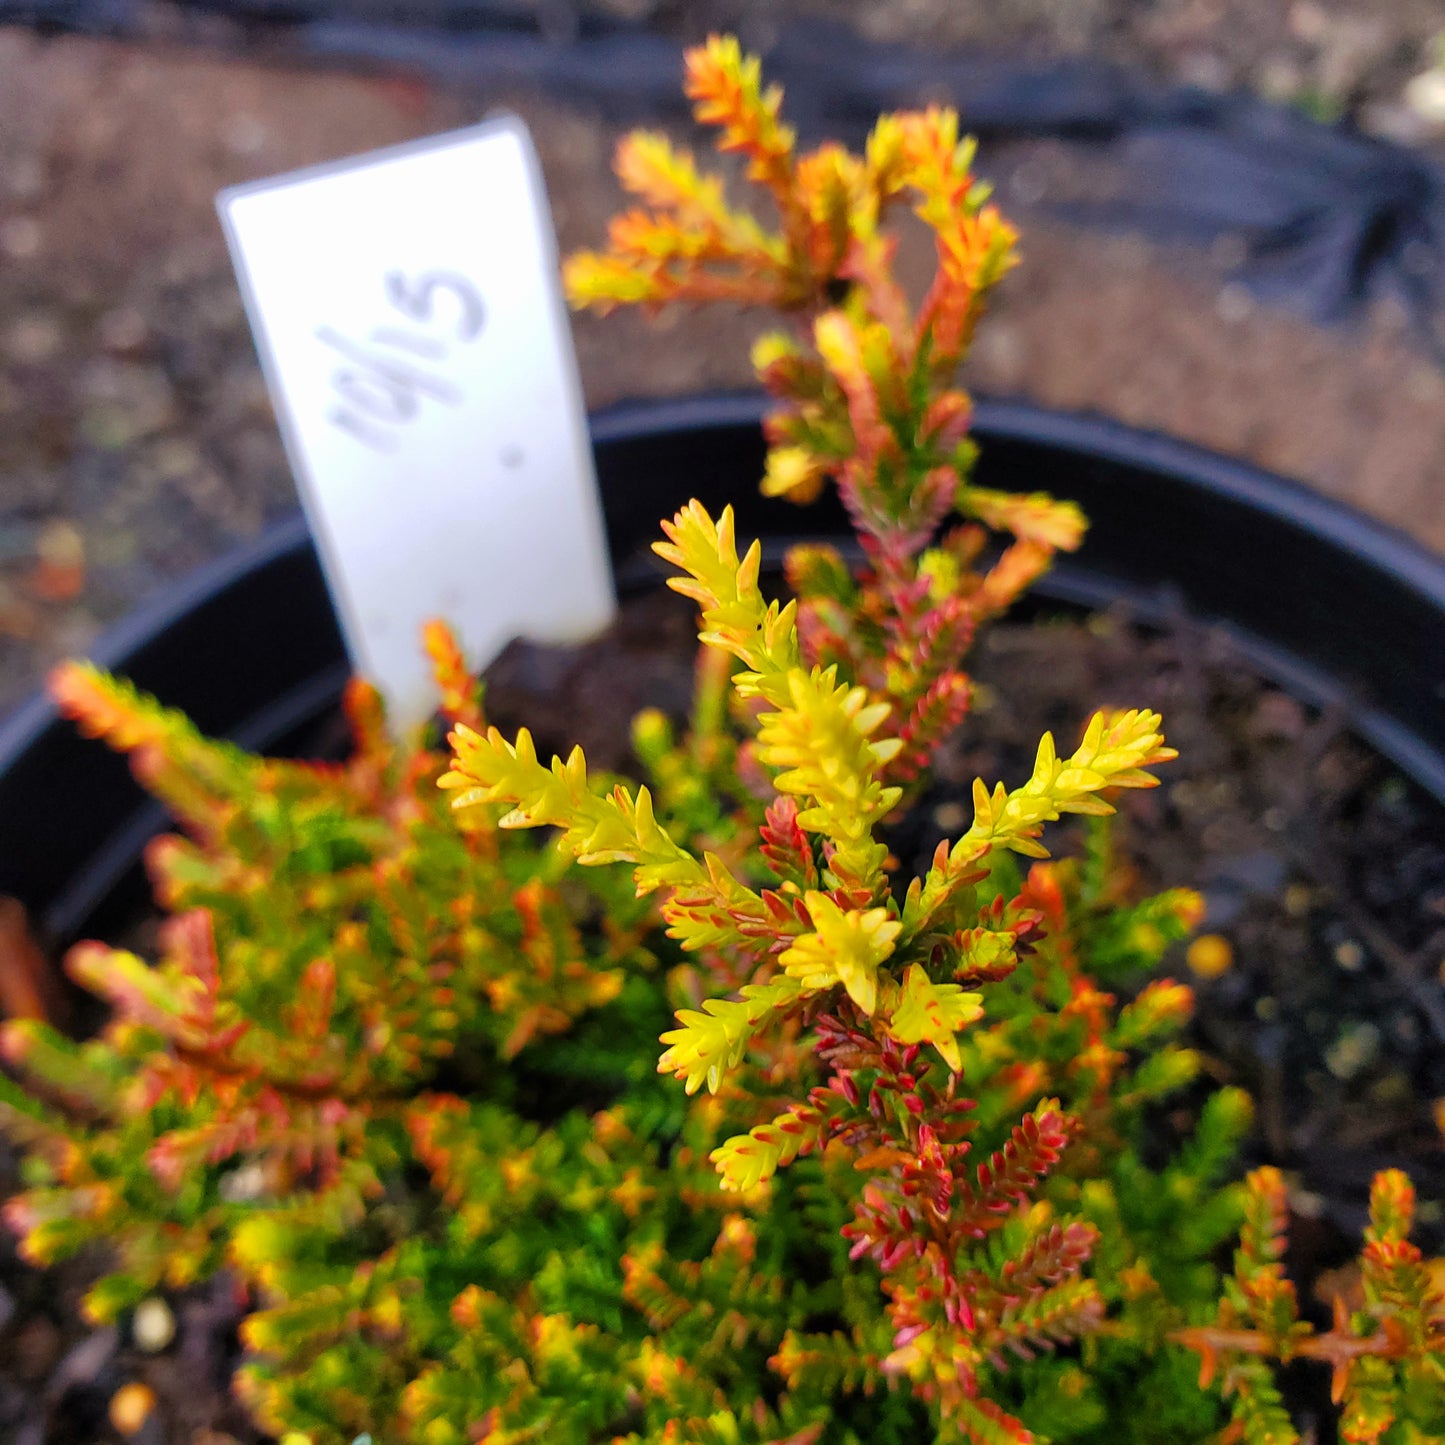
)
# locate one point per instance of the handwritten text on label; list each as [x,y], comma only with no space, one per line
[383,381]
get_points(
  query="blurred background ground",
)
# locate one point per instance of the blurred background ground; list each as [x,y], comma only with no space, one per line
[136,440]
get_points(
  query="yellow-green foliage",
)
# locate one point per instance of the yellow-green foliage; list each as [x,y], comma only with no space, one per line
[337,945]
[414,1077]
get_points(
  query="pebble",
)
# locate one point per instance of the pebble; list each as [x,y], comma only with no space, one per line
[1210,955]
[128,402]
[1352,47]
[1357,1047]
[130,1407]
[1298,899]
[951,817]
[1279,716]
[1307,1203]
[176,458]
[1205,69]
[1280,79]
[1394,122]
[153,1326]
[243,1185]
[59,544]
[25,178]
[1350,956]
[1393,1092]
[1308,22]
[1029,183]
[1425,97]
[59,571]
[1002,351]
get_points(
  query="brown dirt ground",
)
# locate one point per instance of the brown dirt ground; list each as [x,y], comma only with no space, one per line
[133,418]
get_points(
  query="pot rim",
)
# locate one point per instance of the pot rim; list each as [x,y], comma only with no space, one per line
[715,436]
[1392,552]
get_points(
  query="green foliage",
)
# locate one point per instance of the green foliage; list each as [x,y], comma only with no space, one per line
[1387,1357]
[398,1065]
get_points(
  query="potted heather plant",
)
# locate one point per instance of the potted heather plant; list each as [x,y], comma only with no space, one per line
[895,1169]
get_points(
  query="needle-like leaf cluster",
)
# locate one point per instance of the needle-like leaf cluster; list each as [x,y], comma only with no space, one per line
[759,1142]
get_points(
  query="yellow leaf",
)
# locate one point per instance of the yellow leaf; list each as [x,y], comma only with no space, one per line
[933,1013]
[846,948]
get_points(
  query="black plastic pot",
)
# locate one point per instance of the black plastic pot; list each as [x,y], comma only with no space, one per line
[1336,608]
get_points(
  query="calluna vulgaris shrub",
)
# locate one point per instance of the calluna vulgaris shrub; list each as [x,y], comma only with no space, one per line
[397,1065]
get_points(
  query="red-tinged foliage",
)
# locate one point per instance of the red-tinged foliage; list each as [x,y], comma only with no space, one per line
[786,847]
[27,986]
[866,392]
[399,1069]
[934,718]
[1388,1355]
[726,90]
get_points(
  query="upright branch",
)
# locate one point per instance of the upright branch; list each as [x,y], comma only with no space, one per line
[872,982]
[398,1064]
[866,388]
[1386,1356]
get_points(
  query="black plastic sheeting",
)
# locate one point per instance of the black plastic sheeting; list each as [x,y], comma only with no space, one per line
[1326,217]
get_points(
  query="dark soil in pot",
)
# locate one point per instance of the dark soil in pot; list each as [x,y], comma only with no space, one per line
[1323,869]
[1324,872]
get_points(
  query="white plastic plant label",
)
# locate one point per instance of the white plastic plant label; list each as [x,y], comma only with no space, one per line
[410,320]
